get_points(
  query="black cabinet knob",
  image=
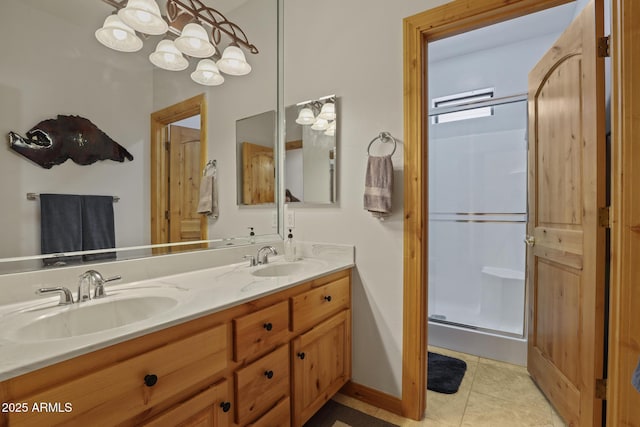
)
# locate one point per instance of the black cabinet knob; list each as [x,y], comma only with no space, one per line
[225,406]
[328,298]
[268,326]
[150,380]
[301,355]
[268,374]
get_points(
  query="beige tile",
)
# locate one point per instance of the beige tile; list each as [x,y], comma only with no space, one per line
[507,382]
[488,411]
[397,419]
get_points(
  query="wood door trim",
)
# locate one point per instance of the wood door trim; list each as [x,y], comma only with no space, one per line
[434,24]
[623,407]
[159,188]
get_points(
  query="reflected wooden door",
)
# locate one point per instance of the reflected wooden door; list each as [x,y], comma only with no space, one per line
[185,224]
[566,257]
[258,174]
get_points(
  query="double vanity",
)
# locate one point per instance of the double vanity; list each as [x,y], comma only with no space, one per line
[235,345]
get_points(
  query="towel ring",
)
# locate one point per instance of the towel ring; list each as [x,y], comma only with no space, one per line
[383,137]
[211,165]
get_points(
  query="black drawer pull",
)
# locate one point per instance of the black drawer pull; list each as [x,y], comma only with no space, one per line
[268,326]
[225,406]
[301,355]
[268,374]
[150,380]
[328,298]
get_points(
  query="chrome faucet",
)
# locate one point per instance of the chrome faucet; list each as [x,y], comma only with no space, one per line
[263,254]
[89,278]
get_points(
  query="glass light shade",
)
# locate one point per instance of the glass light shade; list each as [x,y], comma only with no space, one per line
[117,35]
[328,111]
[331,129]
[194,41]
[143,16]
[167,57]
[305,117]
[207,74]
[320,124]
[233,62]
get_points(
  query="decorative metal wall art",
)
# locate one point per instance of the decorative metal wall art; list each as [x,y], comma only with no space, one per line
[53,141]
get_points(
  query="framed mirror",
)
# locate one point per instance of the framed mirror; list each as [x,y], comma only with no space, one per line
[310,165]
[57,67]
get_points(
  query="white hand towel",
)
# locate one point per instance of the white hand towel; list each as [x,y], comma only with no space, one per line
[378,187]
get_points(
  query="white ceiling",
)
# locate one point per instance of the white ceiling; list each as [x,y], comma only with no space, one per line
[550,21]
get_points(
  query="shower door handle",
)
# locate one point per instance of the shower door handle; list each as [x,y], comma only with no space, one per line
[530,241]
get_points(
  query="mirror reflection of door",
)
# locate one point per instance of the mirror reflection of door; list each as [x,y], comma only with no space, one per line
[258,174]
[178,156]
[184,181]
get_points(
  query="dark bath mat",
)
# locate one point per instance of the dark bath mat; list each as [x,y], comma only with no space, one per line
[444,373]
[334,413]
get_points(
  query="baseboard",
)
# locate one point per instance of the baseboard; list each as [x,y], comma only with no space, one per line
[373,397]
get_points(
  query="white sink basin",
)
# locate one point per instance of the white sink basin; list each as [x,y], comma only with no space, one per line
[278,270]
[89,317]
[282,269]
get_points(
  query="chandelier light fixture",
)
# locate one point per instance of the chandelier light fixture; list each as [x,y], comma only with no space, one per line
[320,114]
[185,25]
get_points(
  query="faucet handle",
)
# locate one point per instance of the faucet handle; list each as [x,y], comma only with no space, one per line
[252,260]
[99,289]
[66,297]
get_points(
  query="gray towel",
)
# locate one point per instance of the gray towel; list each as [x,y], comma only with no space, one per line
[98,229]
[208,204]
[60,226]
[378,186]
[635,380]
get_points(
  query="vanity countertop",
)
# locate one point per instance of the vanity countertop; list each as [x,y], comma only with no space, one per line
[198,293]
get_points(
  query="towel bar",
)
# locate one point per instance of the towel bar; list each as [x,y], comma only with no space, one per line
[34,196]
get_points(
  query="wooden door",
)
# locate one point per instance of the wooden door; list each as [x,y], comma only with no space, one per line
[185,224]
[258,174]
[566,257]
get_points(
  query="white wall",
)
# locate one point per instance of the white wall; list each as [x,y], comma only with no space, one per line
[52,66]
[354,49]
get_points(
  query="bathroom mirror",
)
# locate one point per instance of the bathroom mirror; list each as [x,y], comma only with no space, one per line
[310,164]
[255,153]
[53,64]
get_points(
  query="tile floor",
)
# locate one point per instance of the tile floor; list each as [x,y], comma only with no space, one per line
[492,394]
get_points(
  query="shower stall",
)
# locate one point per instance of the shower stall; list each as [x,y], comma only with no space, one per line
[477,223]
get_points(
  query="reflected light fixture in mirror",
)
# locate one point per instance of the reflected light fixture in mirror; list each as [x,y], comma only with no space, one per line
[117,35]
[320,114]
[187,20]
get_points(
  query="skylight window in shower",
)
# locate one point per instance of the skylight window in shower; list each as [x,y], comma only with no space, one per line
[459,106]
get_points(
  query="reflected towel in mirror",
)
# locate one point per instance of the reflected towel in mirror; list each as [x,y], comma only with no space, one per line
[60,226]
[208,204]
[378,186]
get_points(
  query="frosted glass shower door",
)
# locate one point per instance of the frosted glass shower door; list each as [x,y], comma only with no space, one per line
[477,220]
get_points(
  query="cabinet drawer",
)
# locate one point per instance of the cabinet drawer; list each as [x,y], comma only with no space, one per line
[129,385]
[259,332]
[320,303]
[278,416]
[207,408]
[261,384]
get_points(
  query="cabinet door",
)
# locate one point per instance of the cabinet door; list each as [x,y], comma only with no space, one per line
[209,408]
[321,365]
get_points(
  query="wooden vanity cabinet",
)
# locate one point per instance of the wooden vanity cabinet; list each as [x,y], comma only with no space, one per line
[270,362]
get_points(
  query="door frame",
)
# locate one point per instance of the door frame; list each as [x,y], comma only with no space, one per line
[160,161]
[457,17]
